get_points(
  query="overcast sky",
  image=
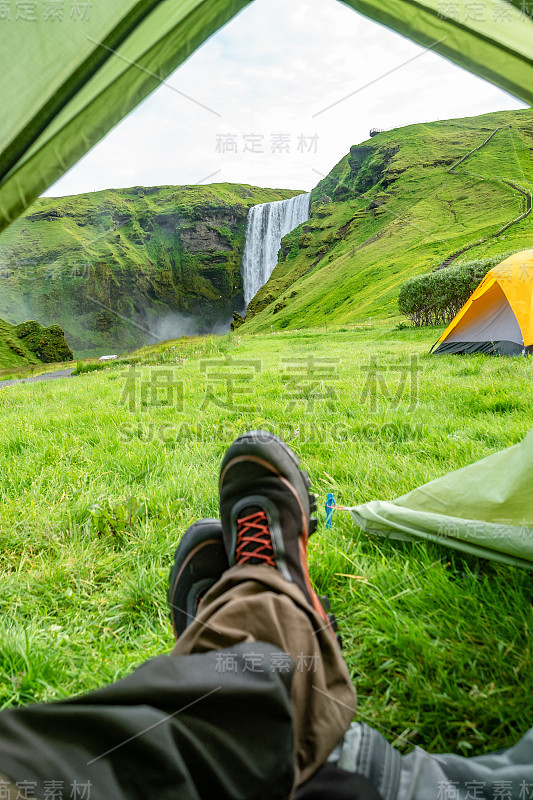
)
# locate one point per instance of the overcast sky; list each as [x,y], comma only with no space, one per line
[258,89]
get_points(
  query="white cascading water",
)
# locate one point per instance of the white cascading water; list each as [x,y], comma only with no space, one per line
[267,224]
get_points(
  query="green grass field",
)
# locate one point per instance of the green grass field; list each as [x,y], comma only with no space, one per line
[103,472]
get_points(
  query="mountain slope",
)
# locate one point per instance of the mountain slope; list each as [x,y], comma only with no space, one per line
[391,209]
[111,266]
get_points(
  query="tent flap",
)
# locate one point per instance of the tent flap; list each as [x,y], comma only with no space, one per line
[483,509]
[494,42]
[78,77]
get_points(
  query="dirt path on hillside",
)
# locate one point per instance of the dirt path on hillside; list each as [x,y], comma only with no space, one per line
[48,376]
[528,196]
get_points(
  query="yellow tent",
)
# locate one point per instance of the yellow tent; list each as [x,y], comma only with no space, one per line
[498,316]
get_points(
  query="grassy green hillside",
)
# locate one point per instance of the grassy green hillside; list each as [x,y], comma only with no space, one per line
[109,266]
[392,208]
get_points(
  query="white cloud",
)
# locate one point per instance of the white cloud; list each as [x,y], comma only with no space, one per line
[268,72]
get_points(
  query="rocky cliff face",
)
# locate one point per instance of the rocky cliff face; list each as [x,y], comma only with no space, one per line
[121,267]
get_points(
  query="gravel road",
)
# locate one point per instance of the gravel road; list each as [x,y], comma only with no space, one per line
[48,376]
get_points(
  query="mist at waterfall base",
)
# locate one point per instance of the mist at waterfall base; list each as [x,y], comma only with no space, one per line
[174,325]
[267,224]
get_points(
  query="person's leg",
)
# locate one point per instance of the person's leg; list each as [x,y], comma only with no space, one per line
[253,604]
[267,594]
[176,727]
[180,726]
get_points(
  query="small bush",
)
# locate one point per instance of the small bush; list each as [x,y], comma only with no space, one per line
[26,328]
[91,366]
[16,348]
[435,298]
[53,346]
[48,344]
[31,333]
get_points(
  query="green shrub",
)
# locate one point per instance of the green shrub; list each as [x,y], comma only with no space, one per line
[435,298]
[31,333]
[16,348]
[48,344]
[90,366]
[26,328]
[53,346]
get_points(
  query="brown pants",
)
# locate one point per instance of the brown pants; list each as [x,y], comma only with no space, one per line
[255,603]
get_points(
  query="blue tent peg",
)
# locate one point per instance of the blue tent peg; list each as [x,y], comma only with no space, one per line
[330,506]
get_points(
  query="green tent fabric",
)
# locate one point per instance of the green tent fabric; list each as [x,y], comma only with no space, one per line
[67,78]
[66,82]
[484,509]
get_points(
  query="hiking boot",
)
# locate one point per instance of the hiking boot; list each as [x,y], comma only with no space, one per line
[199,562]
[265,509]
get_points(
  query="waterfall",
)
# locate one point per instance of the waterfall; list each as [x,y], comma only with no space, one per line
[267,224]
